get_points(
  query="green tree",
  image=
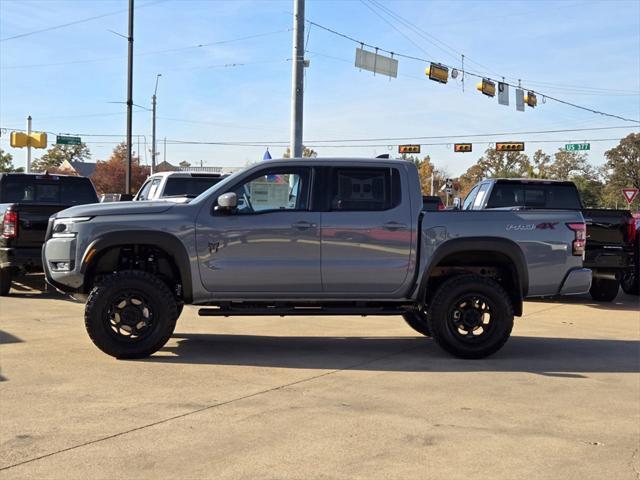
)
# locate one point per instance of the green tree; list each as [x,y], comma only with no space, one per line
[590,186]
[6,163]
[306,153]
[504,164]
[539,167]
[184,164]
[622,170]
[58,154]
[565,164]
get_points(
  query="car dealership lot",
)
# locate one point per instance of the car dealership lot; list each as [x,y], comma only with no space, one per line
[321,397]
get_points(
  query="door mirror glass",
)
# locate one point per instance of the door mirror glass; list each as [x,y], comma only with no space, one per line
[227,201]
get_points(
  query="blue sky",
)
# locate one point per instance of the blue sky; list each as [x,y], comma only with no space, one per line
[585,52]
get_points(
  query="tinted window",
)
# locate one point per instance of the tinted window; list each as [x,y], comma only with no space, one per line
[143,194]
[564,197]
[275,189]
[469,200]
[188,186]
[47,189]
[365,189]
[477,203]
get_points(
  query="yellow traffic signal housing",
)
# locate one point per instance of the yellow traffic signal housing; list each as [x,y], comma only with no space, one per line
[487,87]
[531,99]
[18,139]
[510,146]
[462,147]
[38,140]
[437,72]
[408,148]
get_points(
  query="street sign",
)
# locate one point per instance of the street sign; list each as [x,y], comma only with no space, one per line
[376,63]
[408,148]
[503,93]
[66,140]
[519,100]
[630,194]
[577,147]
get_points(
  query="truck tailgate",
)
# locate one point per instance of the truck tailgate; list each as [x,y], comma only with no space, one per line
[606,227]
[32,223]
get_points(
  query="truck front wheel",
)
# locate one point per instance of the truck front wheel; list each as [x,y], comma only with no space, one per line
[471,316]
[5,281]
[418,320]
[604,289]
[130,314]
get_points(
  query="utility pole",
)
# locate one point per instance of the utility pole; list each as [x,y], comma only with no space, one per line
[129,100]
[153,127]
[297,79]
[165,149]
[29,144]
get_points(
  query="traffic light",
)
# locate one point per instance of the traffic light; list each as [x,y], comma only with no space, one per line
[531,99]
[510,146]
[408,148]
[38,140]
[487,87]
[461,147]
[18,139]
[437,72]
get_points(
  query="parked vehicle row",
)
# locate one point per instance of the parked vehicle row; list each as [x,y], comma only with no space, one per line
[312,237]
[611,243]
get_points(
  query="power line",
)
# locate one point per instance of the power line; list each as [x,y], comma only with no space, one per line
[75,22]
[473,74]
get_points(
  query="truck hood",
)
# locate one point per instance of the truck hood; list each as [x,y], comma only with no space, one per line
[115,208]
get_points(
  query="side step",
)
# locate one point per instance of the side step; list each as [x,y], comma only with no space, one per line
[283,311]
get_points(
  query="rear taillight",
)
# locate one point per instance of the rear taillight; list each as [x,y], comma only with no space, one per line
[10,224]
[631,229]
[441,206]
[580,237]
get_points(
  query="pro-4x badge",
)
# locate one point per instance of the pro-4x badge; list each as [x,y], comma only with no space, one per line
[213,247]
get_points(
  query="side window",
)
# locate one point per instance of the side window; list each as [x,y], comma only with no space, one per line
[477,203]
[144,191]
[273,190]
[470,197]
[154,187]
[365,189]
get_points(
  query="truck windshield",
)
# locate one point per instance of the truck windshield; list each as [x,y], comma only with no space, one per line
[47,189]
[188,186]
[535,195]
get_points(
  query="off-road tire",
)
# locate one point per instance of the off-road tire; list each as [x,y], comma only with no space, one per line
[630,284]
[604,290]
[161,303]
[445,305]
[5,281]
[418,320]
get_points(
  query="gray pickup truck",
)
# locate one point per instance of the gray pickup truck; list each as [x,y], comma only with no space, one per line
[312,237]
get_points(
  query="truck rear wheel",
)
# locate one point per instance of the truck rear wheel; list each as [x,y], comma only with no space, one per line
[130,314]
[471,316]
[630,284]
[418,320]
[5,281]
[604,290]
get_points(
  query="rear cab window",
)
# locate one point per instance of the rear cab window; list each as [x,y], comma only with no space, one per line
[364,189]
[47,189]
[188,186]
[535,195]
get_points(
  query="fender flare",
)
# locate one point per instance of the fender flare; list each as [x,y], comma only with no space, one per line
[163,240]
[502,246]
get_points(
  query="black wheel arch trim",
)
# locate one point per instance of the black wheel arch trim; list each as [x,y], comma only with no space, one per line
[499,245]
[163,240]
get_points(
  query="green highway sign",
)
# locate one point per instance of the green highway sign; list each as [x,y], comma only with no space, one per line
[577,147]
[66,140]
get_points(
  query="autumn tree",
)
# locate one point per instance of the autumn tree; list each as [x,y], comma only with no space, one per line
[109,176]
[540,165]
[504,164]
[468,179]
[306,153]
[6,163]
[622,170]
[57,154]
[567,163]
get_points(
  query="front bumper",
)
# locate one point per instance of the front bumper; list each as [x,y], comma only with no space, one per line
[576,282]
[57,250]
[22,258]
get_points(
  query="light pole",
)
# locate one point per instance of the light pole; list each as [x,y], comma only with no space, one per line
[129,100]
[297,78]
[153,126]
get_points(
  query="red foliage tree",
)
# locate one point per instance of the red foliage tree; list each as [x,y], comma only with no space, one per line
[109,176]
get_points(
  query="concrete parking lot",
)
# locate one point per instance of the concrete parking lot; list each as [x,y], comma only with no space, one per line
[342,397]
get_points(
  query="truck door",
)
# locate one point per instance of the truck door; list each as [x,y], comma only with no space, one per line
[366,230]
[271,243]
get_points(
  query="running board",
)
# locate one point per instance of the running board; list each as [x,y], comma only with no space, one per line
[290,311]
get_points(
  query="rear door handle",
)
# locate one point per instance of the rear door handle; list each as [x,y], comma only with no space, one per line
[393,226]
[303,225]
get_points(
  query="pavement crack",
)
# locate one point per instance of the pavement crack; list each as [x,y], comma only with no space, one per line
[209,407]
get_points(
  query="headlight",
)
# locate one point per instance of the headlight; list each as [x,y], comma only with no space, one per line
[62,226]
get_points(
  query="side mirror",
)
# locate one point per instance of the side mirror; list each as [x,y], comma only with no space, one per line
[227,202]
[457,204]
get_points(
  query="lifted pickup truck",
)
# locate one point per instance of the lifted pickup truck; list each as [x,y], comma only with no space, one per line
[311,237]
[609,250]
[26,203]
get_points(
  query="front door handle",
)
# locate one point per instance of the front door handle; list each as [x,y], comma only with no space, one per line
[393,226]
[303,225]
